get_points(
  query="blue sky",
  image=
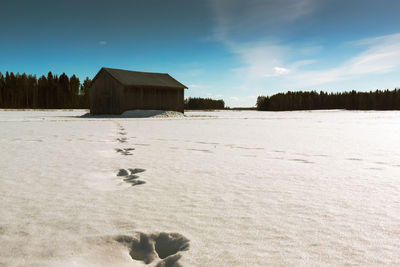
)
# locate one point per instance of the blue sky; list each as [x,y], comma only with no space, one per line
[230,49]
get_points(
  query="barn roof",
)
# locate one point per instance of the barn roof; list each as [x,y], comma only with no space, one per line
[146,79]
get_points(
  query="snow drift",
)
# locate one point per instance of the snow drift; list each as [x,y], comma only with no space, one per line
[140,113]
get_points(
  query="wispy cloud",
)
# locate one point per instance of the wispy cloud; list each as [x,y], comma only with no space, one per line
[238,17]
[252,31]
[102,43]
[259,60]
[381,55]
[263,61]
[239,23]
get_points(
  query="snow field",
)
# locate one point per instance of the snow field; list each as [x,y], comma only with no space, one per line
[216,189]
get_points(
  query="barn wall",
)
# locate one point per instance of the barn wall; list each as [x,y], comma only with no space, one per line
[152,98]
[131,98]
[105,95]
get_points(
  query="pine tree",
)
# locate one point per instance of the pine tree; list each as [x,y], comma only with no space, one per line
[42,92]
[86,92]
[63,92]
[74,84]
[2,90]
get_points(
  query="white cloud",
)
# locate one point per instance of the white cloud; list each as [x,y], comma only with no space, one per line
[281,71]
[382,55]
[102,43]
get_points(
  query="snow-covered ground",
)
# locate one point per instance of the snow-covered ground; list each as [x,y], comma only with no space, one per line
[229,188]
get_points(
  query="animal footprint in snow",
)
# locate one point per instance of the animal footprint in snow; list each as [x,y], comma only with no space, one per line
[130,177]
[124,151]
[122,139]
[136,170]
[148,247]
[122,172]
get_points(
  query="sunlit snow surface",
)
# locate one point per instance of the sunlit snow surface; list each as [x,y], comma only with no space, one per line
[220,188]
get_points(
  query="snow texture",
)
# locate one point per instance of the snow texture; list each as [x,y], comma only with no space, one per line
[227,188]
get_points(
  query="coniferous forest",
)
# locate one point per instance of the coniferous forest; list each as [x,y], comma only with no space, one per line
[47,92]
[203,103]
[373,100]
[63,92]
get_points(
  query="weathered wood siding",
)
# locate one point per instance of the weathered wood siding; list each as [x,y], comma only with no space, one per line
[105,95]
[152,98]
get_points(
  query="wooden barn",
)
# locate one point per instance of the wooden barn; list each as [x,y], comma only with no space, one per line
[114,91]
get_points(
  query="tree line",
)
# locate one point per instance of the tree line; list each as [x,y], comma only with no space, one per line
[204,103]
[352,100]
[60,92]
[47,92]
